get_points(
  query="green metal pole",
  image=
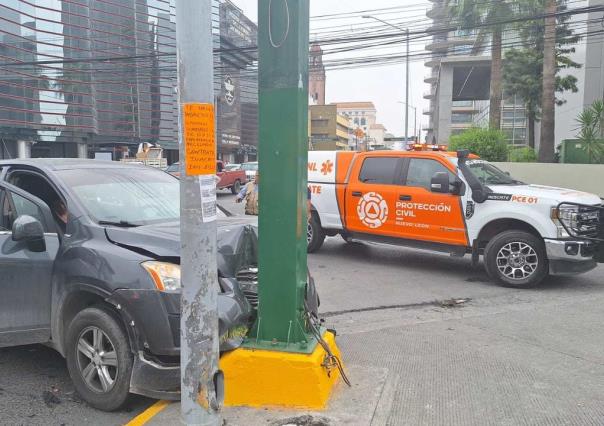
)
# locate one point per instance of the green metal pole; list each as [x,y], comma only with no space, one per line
[283,151]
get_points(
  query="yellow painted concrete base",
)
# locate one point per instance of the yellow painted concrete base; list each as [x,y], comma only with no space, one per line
[260,378]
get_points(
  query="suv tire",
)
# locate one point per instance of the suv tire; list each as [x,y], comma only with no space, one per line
[315,235]
[516,259]
[236,187]
[99,359]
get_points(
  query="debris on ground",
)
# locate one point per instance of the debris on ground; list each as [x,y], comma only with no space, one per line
[50,399]
[453,303]
[305,420]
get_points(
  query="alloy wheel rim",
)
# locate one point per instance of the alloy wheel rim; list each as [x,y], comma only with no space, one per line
[97,360]
[517,260]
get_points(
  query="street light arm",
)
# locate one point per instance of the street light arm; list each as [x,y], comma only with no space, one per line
[385,22]
[405,103]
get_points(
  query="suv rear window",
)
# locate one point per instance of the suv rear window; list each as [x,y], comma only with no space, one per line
[379,170]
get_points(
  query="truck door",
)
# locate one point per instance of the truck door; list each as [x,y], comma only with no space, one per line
[371,195]
[426,215]
[27,257]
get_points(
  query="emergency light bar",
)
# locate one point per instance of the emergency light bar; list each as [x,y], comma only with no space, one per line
[426,147]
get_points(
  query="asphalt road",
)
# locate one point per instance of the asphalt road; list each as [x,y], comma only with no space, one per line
[379,296]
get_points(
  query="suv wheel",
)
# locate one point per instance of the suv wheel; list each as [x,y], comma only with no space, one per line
[516,259]
[99,359]
[236,187]
[315,236]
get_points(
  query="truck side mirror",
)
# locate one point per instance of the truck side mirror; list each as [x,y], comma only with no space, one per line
[459,188]
[440,183]
[29,230]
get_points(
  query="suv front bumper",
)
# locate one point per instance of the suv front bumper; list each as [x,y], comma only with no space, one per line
[154,380]
[569,257]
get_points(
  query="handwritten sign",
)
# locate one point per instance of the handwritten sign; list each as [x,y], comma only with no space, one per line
[200,145]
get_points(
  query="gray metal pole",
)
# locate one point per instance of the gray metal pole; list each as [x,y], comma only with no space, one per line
[415,124]
[407,90]
[201,381]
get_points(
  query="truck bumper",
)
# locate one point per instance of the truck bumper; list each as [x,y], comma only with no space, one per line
[568,257]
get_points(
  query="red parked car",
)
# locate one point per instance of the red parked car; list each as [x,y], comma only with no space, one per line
[229,179]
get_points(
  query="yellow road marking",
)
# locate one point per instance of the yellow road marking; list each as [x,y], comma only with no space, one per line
[148,414]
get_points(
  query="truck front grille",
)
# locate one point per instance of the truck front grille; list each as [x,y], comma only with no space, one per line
[589,220]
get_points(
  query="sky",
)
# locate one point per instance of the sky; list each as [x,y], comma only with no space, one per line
[384,85]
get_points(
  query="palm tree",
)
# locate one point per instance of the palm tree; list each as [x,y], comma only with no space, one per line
[523,68]
[489,18]
[548,104]
[591,131]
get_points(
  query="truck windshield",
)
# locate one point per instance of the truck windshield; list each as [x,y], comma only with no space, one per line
[125,196]
[250,166]
[488,174]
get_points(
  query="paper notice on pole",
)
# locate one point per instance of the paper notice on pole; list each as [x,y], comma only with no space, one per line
[199,137]
[207,190]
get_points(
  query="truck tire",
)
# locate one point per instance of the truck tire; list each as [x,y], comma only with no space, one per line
[516,259]
[99,359]
[314,234]
[236,187]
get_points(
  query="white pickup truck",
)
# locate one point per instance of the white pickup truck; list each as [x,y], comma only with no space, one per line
[459,204]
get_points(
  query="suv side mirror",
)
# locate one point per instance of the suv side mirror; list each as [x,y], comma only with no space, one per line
[28,229]
[440,183]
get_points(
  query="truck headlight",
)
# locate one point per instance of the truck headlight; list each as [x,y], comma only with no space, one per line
[166,276]
[567,215]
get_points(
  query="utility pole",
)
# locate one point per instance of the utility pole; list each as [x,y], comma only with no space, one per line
[281,363]
[283,127]
[407,90]
[414,116]
[201,381]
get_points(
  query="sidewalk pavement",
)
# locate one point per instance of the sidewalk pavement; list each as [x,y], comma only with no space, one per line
[496,361]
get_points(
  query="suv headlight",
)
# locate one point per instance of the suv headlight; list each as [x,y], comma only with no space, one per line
[568,215]
[166,276]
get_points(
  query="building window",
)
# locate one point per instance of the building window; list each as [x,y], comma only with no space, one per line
[363,121]
[356,121]
[461,117]
[463,103]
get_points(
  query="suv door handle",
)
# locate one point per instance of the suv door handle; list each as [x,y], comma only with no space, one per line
[405,197]
[357,194]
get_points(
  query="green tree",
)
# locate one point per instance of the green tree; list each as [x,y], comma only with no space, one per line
[523,67]
[489,144]
[489,18]
[591,131]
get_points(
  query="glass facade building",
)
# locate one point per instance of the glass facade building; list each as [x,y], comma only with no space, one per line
[103,73]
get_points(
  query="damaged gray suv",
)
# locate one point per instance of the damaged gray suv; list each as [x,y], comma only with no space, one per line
[89,265]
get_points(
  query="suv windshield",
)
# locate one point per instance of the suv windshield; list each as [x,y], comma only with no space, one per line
[125,196]
[488,174]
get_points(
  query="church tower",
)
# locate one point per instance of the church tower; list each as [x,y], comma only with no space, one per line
[316,77]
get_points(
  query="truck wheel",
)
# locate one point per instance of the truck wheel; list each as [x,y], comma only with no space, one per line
[314,234]
[99,359]
[516,259]
[236,187]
